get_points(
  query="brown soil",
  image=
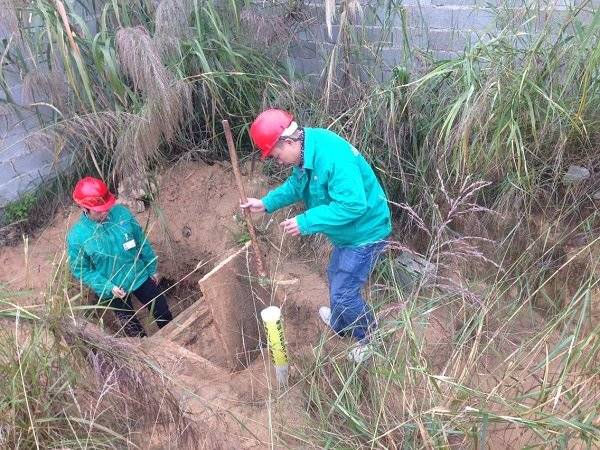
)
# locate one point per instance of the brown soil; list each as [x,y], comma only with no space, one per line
[193,224]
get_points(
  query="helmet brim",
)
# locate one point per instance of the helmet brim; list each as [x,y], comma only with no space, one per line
[110,202]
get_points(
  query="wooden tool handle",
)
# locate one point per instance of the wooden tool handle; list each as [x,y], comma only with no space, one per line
[260,265]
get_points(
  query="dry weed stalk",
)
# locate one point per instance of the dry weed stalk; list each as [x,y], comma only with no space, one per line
[95,131]
[168,100]
[130,380]
[172,24]
[140,61]
[266,26]
[11,12]
[46,86]
[448,250]
[8,16]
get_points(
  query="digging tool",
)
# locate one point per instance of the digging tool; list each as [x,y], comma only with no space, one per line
[260,265]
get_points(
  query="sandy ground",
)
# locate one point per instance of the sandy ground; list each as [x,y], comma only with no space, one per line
[195,222]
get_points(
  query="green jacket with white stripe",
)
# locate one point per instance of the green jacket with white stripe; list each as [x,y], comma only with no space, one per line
[343,198]
[112,253]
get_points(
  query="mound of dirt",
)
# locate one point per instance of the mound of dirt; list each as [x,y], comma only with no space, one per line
[194,222]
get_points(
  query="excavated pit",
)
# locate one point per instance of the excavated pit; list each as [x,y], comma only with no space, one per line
[223,324]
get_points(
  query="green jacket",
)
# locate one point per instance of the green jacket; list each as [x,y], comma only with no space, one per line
[98,257]
[343,197]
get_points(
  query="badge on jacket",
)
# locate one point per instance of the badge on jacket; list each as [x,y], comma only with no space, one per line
[129,244]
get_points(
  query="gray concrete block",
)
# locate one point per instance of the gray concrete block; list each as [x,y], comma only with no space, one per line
[12,75]
[373,15]
[32,161]
[332,38]
[21,123]
[449,40]
[434,39]
[302,49]
[7,172]
[314,13]
[313,66]
[450,17]
[64,161]
[11,147]
[417,2]
[5,29]
[383,36]
[453,2]
[391,57]
[324,50]
[358,34]
[473,19]
[11,190]
[444,54]
[417,37]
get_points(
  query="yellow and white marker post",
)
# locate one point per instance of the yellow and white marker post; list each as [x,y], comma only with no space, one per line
[271,317]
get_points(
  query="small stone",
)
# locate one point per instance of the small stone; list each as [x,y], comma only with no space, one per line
[139,206]
[414,264]
[133,190]
[575,175]
[412,268]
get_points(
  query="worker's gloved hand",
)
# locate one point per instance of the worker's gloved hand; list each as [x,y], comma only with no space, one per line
[290,226]
[118,292]
[156,278]
[256,205]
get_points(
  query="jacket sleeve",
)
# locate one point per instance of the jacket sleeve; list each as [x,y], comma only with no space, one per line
[288,193]
[147,255]
[348,200]
[83,269]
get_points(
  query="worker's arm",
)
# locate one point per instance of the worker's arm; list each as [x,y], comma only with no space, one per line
[146,252]
[348,200]
[83,269]
[288,193]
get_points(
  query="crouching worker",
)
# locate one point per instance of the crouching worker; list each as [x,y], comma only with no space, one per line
[343,200]
[108,252]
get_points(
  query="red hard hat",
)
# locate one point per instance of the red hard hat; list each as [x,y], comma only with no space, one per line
[267,128]
[92,193]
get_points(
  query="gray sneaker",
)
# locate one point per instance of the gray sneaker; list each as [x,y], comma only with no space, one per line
[325,315]
[360,353]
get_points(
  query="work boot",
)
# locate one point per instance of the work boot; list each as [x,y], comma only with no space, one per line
[130,324]
[325,315]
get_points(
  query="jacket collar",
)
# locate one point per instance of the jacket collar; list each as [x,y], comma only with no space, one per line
[309,149]
[92,223]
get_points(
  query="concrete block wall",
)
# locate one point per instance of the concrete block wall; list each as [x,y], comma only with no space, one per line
[441,28]
[27,157]
[438,28]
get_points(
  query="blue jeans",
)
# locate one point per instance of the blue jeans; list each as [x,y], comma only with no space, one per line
[348,271]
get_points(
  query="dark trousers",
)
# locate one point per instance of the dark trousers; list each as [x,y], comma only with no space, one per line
[149,295]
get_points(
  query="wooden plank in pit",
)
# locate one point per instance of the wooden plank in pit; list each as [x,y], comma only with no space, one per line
[235,298]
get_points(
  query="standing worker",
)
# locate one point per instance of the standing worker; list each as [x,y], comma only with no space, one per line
[344,201]
[108,252]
